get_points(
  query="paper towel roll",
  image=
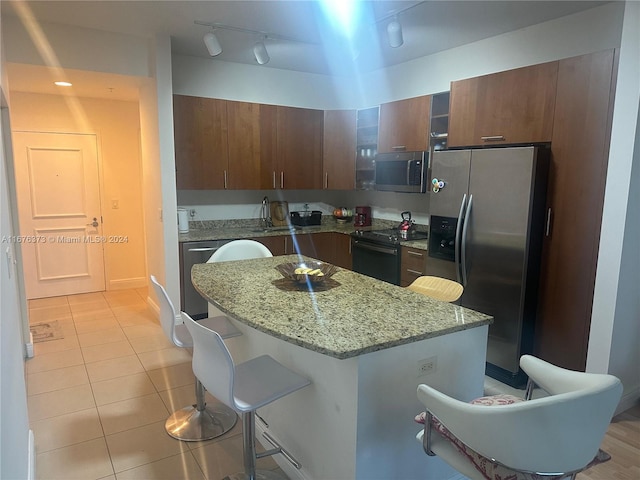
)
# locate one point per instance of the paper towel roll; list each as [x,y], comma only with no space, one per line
[183,220]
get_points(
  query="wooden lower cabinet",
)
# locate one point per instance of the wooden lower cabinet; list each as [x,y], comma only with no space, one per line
[413,262]
[330,247]
[579,153]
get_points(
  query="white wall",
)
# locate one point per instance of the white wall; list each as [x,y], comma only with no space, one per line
[614,340]
[15,447]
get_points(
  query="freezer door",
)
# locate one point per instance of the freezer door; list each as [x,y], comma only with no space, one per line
[498,222]
[451,167]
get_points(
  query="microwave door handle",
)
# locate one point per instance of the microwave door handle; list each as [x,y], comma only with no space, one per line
[463,248]
[408,181]
[463,204]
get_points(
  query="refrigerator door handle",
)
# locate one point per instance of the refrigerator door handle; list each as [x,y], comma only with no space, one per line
[463,248]
[458,237]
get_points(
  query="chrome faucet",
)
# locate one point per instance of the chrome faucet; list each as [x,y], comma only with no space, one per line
[265,218]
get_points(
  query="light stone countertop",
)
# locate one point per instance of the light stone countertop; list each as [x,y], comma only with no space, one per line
[355,316]
[234,230]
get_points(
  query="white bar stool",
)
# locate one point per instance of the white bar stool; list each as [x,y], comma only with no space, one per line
[245,387]
[200,421]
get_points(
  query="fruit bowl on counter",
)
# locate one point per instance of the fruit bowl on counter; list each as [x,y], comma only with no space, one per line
[343,215]
[306,272]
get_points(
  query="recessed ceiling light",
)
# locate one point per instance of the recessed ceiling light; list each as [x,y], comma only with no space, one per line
[63,84]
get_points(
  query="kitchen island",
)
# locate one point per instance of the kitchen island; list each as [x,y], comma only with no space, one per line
[366,345]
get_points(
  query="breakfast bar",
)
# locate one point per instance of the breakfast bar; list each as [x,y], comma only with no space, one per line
[365,345]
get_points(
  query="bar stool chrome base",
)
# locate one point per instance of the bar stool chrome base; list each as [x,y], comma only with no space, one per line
[193,425]
[259,475]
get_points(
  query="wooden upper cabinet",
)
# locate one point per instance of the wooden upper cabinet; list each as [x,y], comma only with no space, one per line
[299,148]
[200,135]
[575,196]
[404,125]
[515,106]
[244,145]
[339,150]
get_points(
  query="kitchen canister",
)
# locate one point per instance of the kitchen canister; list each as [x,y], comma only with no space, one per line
[183,220]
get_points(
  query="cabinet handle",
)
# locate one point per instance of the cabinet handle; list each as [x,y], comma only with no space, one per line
[492,138]
[399,147]
[415,272]
[547,228]
[225,179]
[281,179]
[417,254]
[274,179]
[326,179]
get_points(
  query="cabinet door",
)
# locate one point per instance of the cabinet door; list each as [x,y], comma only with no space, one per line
[404,125]
[579,152]
[342,246]
[246,145]
[276,244]
[339,150]
[413,264]
[299,148]
[315,245]
[515,106]
[200,134]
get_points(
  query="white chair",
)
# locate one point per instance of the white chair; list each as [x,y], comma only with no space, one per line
[244,387]
[240,250]
[557,436]
[437,287]
[200,421]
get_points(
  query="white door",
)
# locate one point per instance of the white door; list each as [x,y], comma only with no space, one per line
[58,192]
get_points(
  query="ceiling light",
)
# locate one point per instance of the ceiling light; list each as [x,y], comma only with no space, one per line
[63,84]
[394,34]
[212,44]
[261,54]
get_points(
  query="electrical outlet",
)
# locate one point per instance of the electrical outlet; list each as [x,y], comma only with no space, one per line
[427,366]
[192,212]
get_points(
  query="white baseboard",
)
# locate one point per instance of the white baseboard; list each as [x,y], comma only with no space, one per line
[128,283]
[628,400]
[31,471]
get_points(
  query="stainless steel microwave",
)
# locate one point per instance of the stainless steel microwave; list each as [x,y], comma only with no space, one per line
[402,172]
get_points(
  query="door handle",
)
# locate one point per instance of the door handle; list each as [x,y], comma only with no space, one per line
[464,242]
[458,240]
[94,223]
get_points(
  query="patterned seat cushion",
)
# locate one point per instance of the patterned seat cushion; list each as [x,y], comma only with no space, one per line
[491,470]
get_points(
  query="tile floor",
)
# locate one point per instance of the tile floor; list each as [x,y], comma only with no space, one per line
[99,397]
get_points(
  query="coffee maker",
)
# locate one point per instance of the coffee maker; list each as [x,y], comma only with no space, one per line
[362,217]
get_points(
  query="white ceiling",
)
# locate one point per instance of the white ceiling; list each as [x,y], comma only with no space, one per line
[428,27]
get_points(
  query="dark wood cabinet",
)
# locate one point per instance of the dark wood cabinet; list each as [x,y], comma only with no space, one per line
[404,125]
[342,254]
[277,244]
[339,150]
[579,152]
[251,144]
[413,263]
[516,106]
[330,247]
[200,134]
[299,148]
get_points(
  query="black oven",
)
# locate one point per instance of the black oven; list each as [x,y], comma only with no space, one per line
[376,253]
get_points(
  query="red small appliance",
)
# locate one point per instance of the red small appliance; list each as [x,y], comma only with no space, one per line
[362,217]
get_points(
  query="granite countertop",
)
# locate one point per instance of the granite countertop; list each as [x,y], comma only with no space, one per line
[234,230]
[349,315]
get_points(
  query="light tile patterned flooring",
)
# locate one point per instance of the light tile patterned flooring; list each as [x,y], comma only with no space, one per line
[99,397]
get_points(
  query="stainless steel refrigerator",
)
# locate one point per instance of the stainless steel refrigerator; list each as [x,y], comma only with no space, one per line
[487,221]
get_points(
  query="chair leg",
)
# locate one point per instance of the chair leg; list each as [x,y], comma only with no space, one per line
[250,455]
[200,422]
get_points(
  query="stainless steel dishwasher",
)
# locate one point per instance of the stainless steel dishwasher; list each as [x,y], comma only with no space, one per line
[190,254]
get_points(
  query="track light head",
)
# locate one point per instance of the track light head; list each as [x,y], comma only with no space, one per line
[212,44]
[394,34]
[261,54]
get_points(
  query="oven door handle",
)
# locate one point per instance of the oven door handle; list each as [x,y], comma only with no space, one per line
[375,248]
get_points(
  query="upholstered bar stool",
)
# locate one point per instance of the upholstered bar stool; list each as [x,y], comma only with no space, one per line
[244,387]
[437,287]
[200,421]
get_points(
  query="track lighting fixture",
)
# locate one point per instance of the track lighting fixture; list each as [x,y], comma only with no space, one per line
[394,33]
[212,44]
[260,52]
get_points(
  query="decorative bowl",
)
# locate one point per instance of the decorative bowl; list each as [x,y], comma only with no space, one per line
[306,272]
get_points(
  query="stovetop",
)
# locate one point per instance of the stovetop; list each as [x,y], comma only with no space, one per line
[389,236]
